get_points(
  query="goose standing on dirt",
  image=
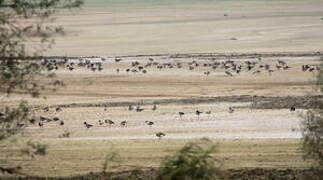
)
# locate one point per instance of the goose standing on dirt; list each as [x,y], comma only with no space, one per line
[228,73]
[20,125]
[32,121]
[41,124]
[123,123]
[130,108]
[197,112]
[87,125]
[181,114]
[207,73]
[108,121]
[154,107]
[43,118]
[160,135]
[101,122]
[46,109]
[58,109]
[150,123]
[138,109]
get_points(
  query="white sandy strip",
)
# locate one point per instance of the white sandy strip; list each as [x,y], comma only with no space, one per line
[257,135]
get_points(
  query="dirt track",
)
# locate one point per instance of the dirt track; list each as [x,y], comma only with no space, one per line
[258,102]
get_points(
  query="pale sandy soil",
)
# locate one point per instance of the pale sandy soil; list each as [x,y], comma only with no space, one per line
[192,26]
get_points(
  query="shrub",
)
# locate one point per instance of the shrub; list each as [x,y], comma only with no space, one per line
[312,127]
[66,134]
[192,162]
[313,135]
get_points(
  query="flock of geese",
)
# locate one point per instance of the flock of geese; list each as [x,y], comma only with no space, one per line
[109,122]
[230,68]
[43,120]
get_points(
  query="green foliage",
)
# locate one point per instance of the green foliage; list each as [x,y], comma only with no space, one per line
[66,134]
[22,40]
[312,128]
[319,78]
[25,32]
[23,29]
[12,119]
[313,135]
[136,173]
[111,162]
[32,149]
[193,162]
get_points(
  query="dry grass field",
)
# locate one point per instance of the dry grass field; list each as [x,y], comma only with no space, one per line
[181,32]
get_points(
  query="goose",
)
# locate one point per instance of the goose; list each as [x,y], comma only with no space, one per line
[20,125]
[160,135]
[181,114]
[130,108]
[108,121]
[32,121]
[87,125]
[117,59]
[228,73]
[138,109]
[46,109]
[197,112]
[154,107]
[101,123]
[123,123]
[256,72]
[42,118]
[58,109]
[150,123]
[40,124]
[281,62]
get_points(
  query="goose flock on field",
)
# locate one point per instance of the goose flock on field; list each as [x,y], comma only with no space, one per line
[42,120]
[229,68]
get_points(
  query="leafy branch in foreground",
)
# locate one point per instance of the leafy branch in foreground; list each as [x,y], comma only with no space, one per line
[110,159]
[313,135]
[26,30]
[32,149]
[192,162]
[312,127]
[12,119]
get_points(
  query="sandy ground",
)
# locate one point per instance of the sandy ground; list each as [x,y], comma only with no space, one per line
[243,123]
[123,28]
